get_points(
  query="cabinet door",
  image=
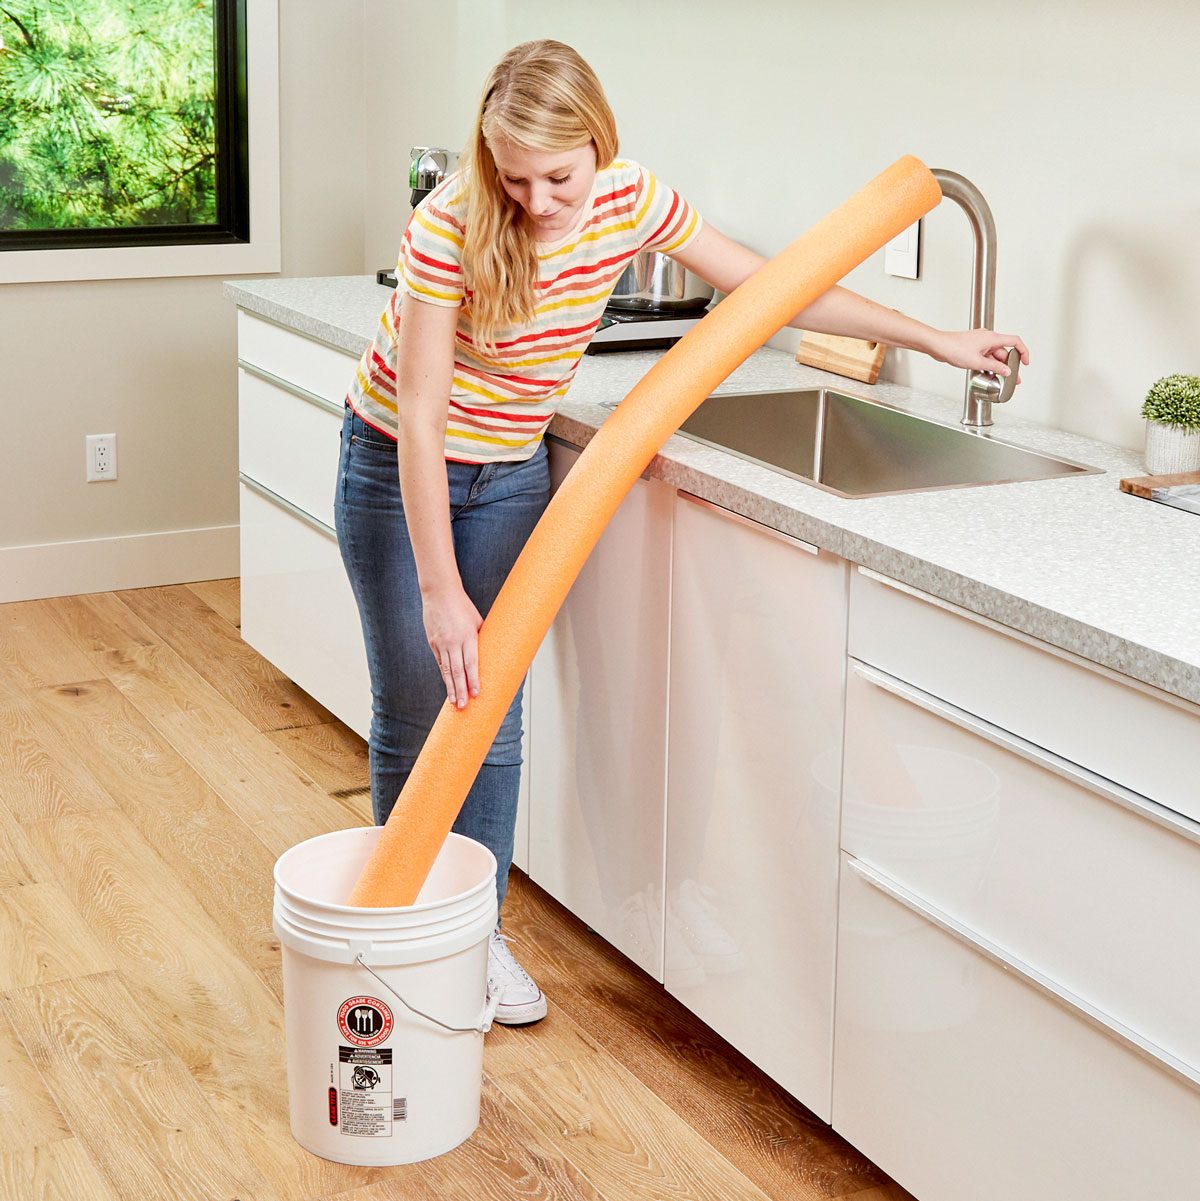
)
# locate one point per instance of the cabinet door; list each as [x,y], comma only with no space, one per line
[758,625]
[1126,731]
[598,728]
[521,836]
[297,608]
[289,444]
[966,1076]
[1095,886]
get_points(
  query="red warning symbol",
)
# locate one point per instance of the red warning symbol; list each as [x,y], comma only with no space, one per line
[364,1021]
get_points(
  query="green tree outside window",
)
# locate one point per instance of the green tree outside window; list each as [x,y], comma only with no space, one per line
[108,114]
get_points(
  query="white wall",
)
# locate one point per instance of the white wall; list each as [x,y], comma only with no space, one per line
[154,359]
[1077,120]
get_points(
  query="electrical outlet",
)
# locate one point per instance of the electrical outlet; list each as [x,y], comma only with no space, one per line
[902,255]
[101,457]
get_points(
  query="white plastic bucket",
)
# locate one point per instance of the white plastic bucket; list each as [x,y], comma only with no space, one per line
[384,1009]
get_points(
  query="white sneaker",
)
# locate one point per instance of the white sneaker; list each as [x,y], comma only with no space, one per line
[521,1001]
[691,905]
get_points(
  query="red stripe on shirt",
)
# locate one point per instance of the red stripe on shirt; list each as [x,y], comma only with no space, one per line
[667,221]
[516,379]
[381,365]
[440,264]
[462,408]
[562,332]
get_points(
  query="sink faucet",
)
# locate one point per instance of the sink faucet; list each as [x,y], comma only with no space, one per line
[983,388]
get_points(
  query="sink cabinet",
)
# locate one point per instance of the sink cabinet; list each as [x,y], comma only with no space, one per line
[757,665]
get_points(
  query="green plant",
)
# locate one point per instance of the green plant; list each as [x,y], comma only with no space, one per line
[1174,400]
[106,113]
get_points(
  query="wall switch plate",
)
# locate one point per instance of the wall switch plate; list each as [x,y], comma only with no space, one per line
[902,255]
[101,457]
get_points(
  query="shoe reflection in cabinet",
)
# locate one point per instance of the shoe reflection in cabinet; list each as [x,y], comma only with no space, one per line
[757,670]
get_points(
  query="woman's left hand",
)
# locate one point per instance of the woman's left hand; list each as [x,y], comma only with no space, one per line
[978,350]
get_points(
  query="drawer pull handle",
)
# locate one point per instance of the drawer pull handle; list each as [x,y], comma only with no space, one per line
[779,535]
[287,386]
[1097,785]
[1105,1022]
[287,506]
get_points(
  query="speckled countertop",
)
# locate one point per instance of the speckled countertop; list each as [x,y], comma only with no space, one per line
[1072,561]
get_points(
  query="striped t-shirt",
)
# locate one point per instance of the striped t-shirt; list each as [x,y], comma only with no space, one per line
[500,404]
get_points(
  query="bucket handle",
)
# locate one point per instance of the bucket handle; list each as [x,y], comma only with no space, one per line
[482,1025]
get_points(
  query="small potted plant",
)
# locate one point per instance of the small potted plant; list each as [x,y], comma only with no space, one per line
[1172,412]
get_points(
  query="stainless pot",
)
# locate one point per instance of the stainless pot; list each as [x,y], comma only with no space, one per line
[656,283]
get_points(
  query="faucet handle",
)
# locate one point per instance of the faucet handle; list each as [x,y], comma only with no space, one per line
[1008,383]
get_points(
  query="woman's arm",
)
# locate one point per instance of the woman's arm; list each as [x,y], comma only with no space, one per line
[425,372]
[724,263]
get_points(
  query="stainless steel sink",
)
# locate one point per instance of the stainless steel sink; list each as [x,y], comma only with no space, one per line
[858,448]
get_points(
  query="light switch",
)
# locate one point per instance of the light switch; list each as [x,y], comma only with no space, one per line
[902,255]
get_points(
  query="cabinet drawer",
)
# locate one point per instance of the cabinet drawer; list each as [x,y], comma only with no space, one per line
[1115,726]
[1092,884]
[297,608]
[288,444]
[962,1078]
[306,364]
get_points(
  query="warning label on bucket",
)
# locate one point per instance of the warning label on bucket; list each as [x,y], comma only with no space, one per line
[365,1096]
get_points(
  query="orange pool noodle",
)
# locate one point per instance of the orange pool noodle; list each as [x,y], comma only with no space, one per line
[581,508]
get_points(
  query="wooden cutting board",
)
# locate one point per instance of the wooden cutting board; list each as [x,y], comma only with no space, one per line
[1181,490]
[851,357]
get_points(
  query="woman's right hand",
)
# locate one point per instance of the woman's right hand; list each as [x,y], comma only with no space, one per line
[452,626]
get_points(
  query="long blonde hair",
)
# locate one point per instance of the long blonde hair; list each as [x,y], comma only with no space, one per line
[540,96]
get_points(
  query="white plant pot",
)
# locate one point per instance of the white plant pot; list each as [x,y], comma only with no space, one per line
[1169,450]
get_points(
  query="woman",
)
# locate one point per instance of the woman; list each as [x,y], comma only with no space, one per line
[504,270]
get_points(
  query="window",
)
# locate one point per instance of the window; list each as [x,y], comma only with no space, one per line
[125,132]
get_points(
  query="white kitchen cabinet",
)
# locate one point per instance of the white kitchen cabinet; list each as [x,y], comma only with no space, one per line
[298,360]
[757,667]
[521,834]
[1094,885]
[598,730]
[1118,727]
[289,442]
[1018,973]
[962,1076]
[297,609]
[1016,970]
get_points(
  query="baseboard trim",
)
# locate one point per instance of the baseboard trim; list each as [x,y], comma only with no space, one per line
[108,564]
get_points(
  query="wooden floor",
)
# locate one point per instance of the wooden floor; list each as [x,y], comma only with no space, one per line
[152,767]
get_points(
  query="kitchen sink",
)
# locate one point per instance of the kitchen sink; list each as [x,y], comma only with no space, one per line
[860,448]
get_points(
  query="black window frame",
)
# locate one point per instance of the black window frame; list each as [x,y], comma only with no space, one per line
[232,225]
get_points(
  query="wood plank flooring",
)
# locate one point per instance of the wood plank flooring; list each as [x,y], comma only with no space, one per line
[152,767]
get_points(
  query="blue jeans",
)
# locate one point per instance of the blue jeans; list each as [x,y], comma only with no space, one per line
[493,509]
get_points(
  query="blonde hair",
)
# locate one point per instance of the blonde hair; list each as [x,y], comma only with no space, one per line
[541,96]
